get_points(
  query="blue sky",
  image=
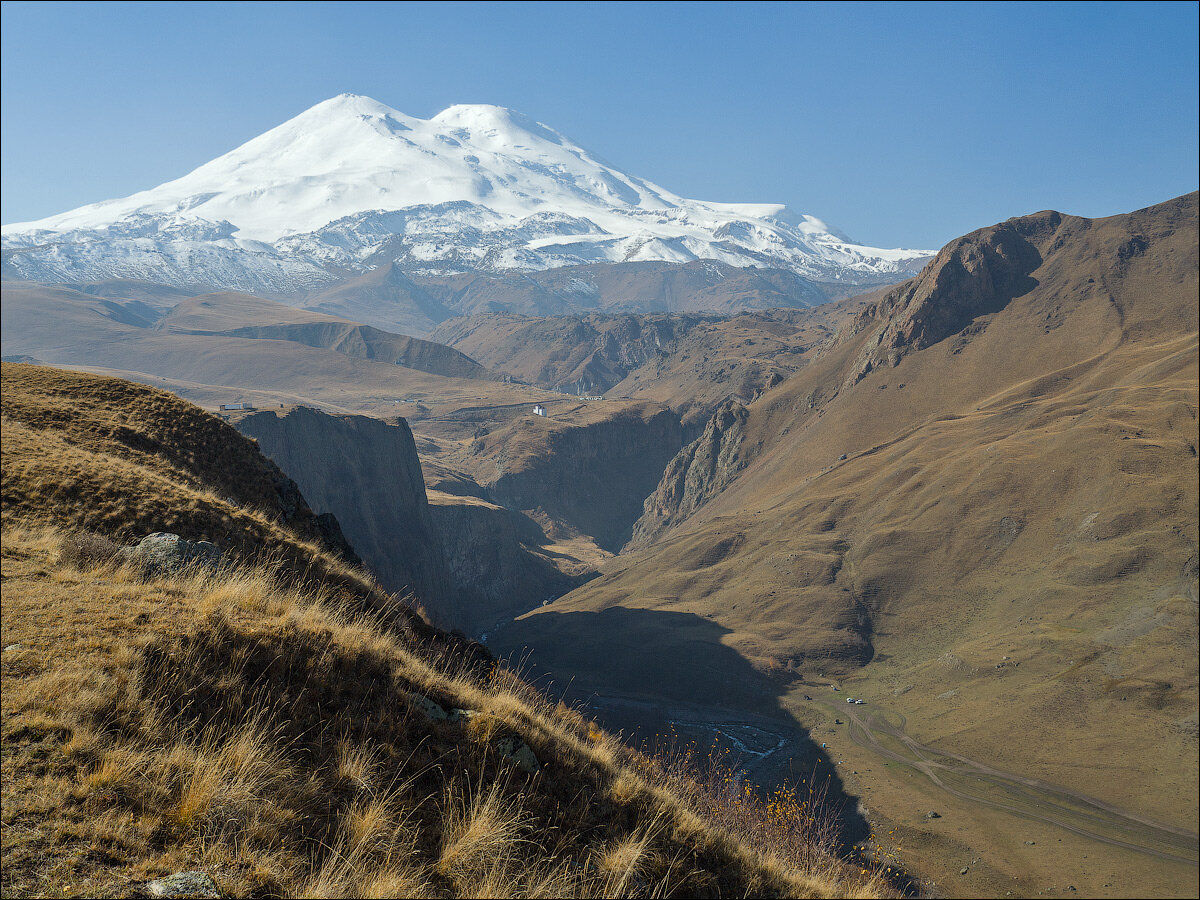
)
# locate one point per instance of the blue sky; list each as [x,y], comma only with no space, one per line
[902,124]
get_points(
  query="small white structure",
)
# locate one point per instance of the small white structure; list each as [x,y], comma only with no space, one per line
[539,410]
[232,406]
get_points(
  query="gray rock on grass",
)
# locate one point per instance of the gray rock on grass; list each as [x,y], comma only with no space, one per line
[513,748]
[428,708]
[163,552]
[179,885]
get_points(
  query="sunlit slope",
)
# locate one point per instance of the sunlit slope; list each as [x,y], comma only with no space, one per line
[1019,485]
[280,724]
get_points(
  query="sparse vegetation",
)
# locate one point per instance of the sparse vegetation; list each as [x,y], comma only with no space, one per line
[272,721]
[265,734]
[85,550]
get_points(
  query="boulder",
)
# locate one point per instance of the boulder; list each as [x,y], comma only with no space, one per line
[181,884]
[513,748]
[431,710]
[163,552]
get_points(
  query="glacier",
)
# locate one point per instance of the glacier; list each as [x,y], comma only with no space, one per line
[351,184]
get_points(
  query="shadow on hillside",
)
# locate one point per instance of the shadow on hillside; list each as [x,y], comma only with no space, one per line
[663,679]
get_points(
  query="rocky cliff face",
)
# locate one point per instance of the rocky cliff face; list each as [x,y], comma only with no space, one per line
[700,471]
[974,276]
[593,478]
[366,473]
[495,567]
[586,354]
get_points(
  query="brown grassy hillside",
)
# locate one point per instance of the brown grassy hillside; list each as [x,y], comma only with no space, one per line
[106,454]
[278,733]
[980,507]
[229,347]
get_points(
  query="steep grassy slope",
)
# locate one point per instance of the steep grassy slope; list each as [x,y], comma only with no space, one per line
[106,454]
[283,728]
[979,505]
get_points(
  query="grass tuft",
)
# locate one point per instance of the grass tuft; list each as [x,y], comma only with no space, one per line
[262,729]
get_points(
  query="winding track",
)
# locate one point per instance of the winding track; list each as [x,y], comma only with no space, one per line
[1029,798]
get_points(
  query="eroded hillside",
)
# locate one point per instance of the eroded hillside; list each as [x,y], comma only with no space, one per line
[977,508]
[277,723]
[365,472]
[470,561]
[693,363]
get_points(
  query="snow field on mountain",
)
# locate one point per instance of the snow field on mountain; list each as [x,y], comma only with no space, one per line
[473,188]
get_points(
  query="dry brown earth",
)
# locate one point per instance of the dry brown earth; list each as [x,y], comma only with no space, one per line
[978,509]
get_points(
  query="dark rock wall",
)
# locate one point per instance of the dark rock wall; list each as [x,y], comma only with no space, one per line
[367,474]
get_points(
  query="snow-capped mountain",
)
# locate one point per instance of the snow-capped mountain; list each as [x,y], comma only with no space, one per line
[351,183]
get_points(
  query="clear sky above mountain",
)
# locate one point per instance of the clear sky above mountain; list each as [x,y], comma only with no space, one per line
[901,124]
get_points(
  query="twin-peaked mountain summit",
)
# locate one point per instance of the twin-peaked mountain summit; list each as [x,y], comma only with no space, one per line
[352,184]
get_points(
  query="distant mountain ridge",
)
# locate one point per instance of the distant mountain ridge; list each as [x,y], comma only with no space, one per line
[351,184]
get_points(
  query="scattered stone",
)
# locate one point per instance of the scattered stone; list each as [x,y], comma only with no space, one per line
[431,710]
[163,552]
[1030,843]
[963,870]
[933,814]
[12,647]
[513,748]
[457,715]
[180,885]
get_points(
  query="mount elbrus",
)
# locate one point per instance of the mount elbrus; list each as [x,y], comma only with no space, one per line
[351,185]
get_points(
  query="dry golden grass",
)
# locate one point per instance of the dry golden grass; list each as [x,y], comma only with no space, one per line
[234,723]
[262,722]
[1020,496]
[99,454]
